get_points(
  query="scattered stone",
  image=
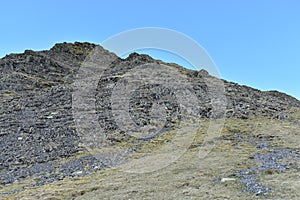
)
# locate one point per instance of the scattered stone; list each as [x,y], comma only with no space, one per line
[268,161]
[223,180]
[79,172]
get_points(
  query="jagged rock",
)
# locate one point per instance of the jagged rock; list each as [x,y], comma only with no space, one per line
[36,120]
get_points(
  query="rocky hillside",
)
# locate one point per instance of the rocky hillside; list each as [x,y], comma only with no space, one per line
[37,128]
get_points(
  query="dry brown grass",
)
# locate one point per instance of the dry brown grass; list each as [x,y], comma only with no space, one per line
[189,177]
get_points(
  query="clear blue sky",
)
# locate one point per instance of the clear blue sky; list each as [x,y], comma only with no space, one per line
[253,42]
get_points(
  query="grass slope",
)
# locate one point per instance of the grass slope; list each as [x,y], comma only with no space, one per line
[192,177]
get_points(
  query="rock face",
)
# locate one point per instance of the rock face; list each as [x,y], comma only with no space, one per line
[36,121]
[244,101]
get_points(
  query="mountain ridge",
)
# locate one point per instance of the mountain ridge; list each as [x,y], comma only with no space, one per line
[59,47]
[37,126]
[87,46]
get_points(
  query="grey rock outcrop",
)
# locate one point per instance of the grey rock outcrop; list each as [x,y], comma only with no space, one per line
[36,121]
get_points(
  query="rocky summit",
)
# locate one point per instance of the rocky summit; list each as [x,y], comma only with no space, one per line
[43,154]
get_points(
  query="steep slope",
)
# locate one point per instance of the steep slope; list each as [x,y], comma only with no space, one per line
[38,137]
[36,121]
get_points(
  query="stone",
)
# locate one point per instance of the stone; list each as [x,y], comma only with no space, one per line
[223,180]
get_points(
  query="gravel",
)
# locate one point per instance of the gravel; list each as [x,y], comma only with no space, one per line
[45,173]
[269,161]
